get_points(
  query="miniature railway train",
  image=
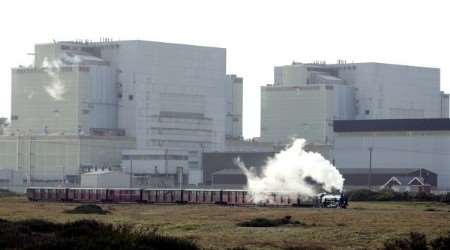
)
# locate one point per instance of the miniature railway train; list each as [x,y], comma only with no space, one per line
[151,195]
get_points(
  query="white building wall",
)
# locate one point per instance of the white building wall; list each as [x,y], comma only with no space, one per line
[148,70]
[233,109]
[105,180]
[168,96]
[303,111]
[123,59]
[386,91]
[444,105]
[11,180]
[99,98]
[33,107]
[49,158]
[104,152]
[429,150]
[63,99]
[178,97]
[155,161]
[291,75]
[248,146]
[184,87]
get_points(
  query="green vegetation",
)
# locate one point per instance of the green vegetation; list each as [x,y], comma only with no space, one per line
[264,222]
[418,241]
[88,209]
[6,193]
[368,195]
[83,234]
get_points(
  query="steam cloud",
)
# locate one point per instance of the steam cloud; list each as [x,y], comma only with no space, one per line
[56,88]
[292,172]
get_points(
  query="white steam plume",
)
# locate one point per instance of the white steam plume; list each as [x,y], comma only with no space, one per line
[70,58]
[56,88]
[293,172]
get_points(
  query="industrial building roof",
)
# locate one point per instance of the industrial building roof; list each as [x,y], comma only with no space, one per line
[353,176]
[435,124]
[229,171]
[406,180]
[390,171]
[345,171]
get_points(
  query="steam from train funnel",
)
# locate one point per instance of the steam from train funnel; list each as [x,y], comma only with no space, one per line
[294,172]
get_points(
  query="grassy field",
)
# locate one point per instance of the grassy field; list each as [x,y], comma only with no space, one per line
[363,225]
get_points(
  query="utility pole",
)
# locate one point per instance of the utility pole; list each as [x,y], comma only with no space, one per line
[166,163]
[131,172]
[369,181]
[29,162]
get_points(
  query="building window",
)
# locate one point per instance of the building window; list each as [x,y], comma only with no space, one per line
[130,97]
[193,164]
[367,112]
[14,117]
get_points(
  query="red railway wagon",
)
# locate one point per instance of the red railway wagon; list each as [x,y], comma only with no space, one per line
[153,195]
[196,196]
[124,195]
[46,194]
[87,194]
[202,196]
[280,199]
[236,197]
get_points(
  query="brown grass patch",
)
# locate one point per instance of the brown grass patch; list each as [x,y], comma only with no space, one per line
[215,227]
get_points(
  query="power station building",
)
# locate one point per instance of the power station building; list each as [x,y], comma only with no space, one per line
[393,144]
[149,108]
[306,98]
[165,114]
[349,108]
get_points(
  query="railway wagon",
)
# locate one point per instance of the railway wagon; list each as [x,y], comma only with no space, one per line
[104,195]
[163,196]
[236,197]
[151,195]
[194,196]
[124,195]
[84,195]
[87,194]
[47,194]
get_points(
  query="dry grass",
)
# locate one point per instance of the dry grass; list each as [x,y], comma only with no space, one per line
[363,225]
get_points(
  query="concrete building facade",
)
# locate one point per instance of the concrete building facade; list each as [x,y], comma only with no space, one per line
[170,101]
[360,91]
[394,144]
[56,160]
[175,95]
[69,99]
[234,101]
[305,111]
[105,179]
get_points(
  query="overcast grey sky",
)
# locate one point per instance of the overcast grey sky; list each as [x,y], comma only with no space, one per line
[257,34]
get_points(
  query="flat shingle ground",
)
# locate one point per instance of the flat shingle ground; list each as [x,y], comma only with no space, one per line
[362,225]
